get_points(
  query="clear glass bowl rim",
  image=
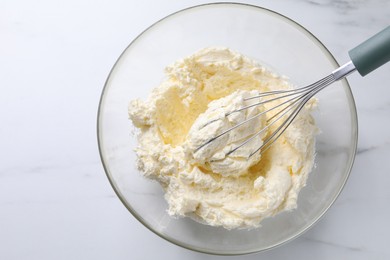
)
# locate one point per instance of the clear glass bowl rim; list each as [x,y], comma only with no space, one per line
[346,85]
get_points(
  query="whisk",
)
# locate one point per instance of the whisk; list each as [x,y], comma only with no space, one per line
[365,58]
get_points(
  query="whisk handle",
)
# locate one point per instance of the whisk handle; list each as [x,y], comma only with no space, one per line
[372,53]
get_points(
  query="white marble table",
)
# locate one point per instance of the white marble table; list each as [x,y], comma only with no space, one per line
[55,200]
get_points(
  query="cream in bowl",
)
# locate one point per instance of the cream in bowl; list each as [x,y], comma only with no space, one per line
[188,108]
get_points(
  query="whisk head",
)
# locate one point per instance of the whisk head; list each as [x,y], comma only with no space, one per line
[284,105]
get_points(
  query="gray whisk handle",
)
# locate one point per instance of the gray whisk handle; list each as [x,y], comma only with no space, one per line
[372,53]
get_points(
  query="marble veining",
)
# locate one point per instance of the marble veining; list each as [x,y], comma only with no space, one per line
[333,244]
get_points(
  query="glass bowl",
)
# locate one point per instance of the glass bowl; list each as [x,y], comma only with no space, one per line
[265,36]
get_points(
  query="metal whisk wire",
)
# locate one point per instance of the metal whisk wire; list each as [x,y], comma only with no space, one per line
[296,100]
[298,104]
[366,57]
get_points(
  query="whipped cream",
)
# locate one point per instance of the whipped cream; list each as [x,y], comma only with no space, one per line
[211,137]
[199,100]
